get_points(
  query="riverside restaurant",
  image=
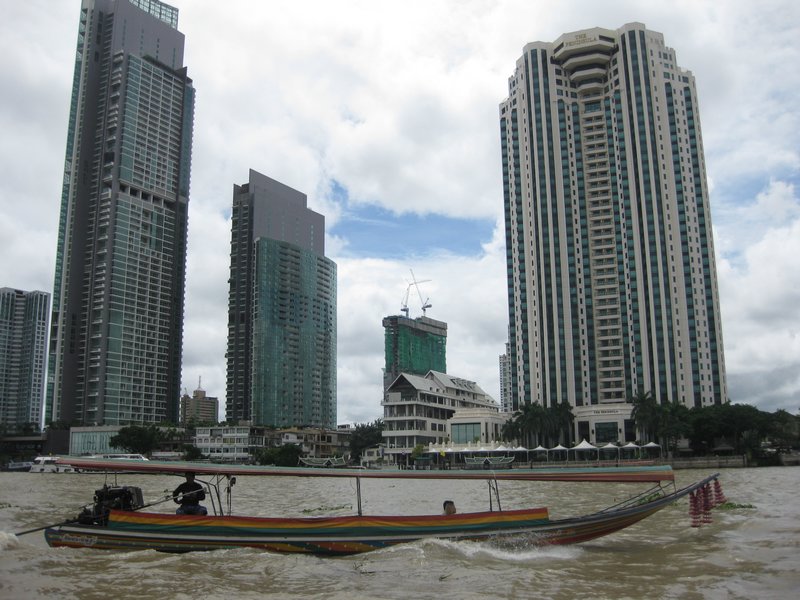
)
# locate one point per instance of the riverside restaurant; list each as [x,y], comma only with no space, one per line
[498,455]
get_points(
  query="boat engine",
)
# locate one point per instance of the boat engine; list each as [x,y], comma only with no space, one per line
[108,498]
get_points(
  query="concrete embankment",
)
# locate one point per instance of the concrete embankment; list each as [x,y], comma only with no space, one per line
[708,462]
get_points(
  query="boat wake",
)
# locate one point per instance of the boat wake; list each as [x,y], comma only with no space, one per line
[8,540]
[508,551]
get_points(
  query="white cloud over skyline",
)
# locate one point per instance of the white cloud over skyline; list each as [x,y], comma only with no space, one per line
[369,105]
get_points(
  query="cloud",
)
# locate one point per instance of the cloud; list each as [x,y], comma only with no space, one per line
[378,108]
[760,293]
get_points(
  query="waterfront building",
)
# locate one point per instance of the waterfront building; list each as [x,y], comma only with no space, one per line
[416,410]
[199,408]
[476,426]
[23,357]
[230,443]
[118,299]
[281,369]
[96,439]
[318,442]
[612,284]
[89,440]
[240,443]
[413,346]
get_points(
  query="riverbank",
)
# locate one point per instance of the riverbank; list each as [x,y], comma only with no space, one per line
[709,462]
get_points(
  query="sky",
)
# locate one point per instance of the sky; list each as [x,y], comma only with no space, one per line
[386,116]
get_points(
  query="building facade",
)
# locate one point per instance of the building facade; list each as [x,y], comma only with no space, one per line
[230,443]
[612,285]
[23,357]
[241,443]
[416,410]
[506,392]
[476,426]
[199,408]
[117,320]
[413,346]
[281,310]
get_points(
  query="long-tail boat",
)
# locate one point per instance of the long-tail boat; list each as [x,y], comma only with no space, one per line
[116,520]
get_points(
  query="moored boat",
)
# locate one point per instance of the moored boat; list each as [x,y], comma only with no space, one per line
[24,465]
[50,464]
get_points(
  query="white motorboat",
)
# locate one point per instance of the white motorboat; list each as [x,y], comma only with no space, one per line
[49,464]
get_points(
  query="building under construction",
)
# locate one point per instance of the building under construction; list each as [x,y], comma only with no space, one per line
[413,346]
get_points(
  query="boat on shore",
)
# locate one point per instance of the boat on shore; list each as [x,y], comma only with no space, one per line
[117,520]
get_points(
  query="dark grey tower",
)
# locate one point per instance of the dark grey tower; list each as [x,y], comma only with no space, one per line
[117,325]
[23,355]
[281,310]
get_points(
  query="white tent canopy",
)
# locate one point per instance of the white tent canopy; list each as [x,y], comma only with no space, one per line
[653,445]
[584,445]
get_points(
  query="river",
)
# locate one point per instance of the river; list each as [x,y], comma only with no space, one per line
[745,553]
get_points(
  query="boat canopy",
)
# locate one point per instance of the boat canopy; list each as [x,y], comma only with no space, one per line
[651,473]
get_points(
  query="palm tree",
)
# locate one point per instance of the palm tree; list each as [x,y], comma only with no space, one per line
[510,432]
[530,420]
[563,419]
[673,424]
[646,414]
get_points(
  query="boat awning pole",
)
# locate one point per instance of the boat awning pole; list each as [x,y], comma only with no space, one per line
[493,487]
[358,494]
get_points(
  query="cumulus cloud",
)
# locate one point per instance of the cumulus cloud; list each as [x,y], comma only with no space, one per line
[374,105]
[760,291]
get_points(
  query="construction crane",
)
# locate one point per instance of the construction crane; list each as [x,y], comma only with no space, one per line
[425,304]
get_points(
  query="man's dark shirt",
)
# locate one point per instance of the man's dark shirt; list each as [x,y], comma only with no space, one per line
[191,499]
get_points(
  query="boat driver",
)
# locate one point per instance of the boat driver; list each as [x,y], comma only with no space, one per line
[188,495]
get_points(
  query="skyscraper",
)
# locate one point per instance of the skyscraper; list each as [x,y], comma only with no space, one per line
[413,346]
[612,287]
[23,354]
[506,394]
[117,325]
[281,310]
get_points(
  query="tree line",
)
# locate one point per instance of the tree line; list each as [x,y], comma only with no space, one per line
[742,427]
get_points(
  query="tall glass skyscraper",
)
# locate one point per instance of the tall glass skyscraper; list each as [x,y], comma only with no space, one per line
[23,355]
[117,324]
[281,310]
[612,286]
